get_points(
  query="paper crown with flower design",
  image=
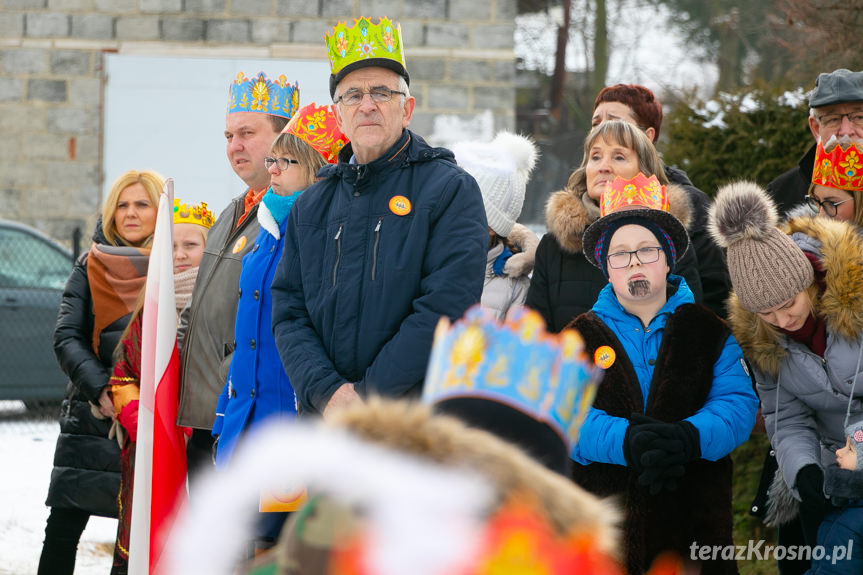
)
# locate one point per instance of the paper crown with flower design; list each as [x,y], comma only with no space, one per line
[197,214]
[317,126]
[264,96]
[517,363]
[365,44]
[639,192]
[840,168]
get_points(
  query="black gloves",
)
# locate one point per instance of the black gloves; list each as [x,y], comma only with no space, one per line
[813,504]
[658,451]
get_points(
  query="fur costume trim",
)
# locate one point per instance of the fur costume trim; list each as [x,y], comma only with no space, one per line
[412,428]
[843,483]
[569,212]
[782,508]
[521,264]
[841,304]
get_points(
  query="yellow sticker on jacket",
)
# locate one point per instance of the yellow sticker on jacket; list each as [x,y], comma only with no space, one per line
[400,205]
[239,245]
[604,357]
[272,501]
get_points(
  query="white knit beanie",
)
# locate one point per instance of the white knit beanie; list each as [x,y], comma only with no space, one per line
[501,168]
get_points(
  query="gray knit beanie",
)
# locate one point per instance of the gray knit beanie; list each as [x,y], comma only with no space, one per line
[767,268]
[854,431]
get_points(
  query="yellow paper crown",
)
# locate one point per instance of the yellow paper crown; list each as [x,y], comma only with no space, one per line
[197,214]
[840,168]
[639,192]
[363,41]
[548,376]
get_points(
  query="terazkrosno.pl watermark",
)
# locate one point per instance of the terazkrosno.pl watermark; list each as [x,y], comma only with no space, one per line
[760,551]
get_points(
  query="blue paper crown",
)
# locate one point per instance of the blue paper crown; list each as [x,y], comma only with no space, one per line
[547,376]
[263,96]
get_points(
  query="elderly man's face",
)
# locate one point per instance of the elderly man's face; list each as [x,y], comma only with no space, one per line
[372,127]
[837,120]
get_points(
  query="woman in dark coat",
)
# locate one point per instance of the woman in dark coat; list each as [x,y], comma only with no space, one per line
[564,285]
[96,305]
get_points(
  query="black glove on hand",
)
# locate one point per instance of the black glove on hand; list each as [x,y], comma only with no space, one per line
[676,443]
[660,451]
[810,485]
[638,439]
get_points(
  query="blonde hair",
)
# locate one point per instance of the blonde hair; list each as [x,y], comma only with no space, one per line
[858,203]
[309,158]
[765,331]
[629,136]
[153,184]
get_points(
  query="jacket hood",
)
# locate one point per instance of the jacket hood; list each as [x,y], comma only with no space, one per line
[569,212]
[841,304]
[412,428]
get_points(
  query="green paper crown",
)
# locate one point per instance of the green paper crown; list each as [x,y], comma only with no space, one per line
[364,41]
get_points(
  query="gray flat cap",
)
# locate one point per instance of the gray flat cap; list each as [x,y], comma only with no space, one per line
[836,87]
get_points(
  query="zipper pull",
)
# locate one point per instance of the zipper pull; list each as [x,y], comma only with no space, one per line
[378,227]
[339,233]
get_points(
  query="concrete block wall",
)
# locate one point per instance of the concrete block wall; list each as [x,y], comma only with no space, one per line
[459,52]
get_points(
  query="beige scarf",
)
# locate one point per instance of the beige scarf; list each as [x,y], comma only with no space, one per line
[184,283]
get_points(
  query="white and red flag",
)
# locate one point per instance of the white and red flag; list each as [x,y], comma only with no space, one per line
[160,459]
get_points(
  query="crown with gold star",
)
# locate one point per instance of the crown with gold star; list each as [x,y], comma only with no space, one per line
[264,96]
[638,192]
[547,376]
[197,214]
[841,167]
[317,126]
[365,44]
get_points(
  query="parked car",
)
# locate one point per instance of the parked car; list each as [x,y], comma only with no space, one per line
[33,271]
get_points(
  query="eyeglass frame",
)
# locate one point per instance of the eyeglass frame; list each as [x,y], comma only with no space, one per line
[810,200]
[381,90]
[656,249]
[269,161]
[858,122]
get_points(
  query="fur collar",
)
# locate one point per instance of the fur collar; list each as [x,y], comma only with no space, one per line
[267,221]
[521,263]
[569,212]
[843,483]
[411,427]
[841,303]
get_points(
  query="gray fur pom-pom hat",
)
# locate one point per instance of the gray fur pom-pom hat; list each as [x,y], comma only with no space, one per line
[767,268]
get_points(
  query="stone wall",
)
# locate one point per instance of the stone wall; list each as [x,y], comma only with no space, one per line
[459,53]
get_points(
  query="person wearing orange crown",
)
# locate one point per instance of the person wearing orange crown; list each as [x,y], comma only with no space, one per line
[676,397]
[257,387]
[837,180]
[835,109]
[191,226]
[258,109]
[388,240]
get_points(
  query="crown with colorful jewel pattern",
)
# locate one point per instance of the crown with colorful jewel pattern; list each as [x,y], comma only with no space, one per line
[547,376]
[840,168]
[197,214]
[639,192]
[264,96]
[365,44]
[317,126]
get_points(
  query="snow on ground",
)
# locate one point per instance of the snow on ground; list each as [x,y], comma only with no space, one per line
[27,451]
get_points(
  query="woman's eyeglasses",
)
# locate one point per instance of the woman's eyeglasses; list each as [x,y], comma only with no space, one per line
[282,163]
[829,207]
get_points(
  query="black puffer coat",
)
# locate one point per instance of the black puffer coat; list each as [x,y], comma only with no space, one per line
[86,472]
[564,284]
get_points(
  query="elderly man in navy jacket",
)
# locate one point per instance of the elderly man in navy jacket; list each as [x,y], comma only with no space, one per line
[386,242]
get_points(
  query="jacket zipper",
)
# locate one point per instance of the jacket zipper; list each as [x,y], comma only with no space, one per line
[338,239]
[375,251]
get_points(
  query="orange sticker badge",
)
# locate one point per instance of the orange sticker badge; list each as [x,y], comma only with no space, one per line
[239,245]
[400,205]
[604,357]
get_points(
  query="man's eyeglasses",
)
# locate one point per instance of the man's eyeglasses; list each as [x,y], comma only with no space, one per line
[379,95]
[834,120]
[828,206]
[620,260]
[282,163]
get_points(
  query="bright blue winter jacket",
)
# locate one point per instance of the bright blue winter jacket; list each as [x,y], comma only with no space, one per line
[375,254]
[723,423]
[257,385]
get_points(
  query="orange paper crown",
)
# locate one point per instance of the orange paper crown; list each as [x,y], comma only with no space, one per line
[840,168]
[639,192]
[198,214]
[316,125]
